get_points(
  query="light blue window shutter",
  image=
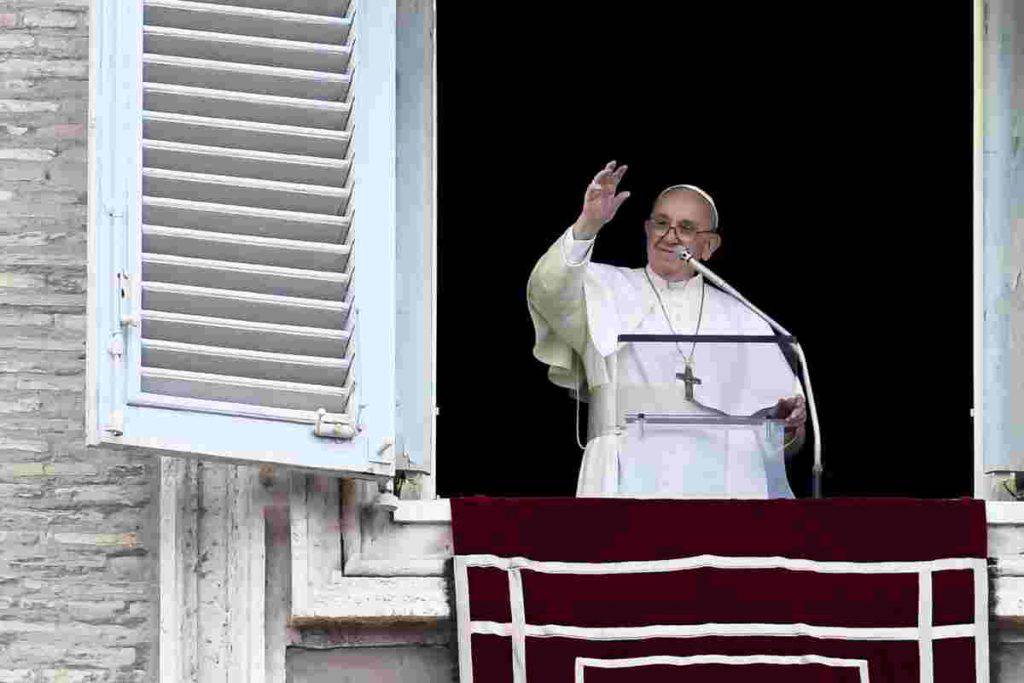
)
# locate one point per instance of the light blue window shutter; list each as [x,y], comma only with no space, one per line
[233,149]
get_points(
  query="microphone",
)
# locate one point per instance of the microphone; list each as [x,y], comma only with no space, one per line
[684,254]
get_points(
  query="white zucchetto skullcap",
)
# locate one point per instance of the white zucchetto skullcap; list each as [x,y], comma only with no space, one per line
[702,193]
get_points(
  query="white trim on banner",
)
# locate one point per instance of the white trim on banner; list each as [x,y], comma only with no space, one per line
[925,633]
[788,660]
[518,612]
[462,622]
[495,628]
[981,663]
[719,562]
[924,624]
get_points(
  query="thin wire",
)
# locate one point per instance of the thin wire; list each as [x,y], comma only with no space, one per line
[576,375]
[700,314]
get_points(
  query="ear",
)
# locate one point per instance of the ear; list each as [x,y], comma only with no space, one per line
[714,241]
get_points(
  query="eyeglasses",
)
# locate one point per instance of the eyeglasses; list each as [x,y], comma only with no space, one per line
[661,227]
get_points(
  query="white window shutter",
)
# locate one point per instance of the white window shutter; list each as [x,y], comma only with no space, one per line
[233,149]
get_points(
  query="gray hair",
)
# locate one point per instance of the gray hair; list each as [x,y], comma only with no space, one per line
[702,193]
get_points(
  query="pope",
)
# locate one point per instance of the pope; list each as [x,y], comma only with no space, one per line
[579,308]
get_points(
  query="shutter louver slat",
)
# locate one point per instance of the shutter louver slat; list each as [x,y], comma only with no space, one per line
[246,210]
[247,248]
[287,168]
[227,47]
[246,220]
[285,20]
[255,107]
[244,363]
[210,187]
[244,334]
[218,387]
[291,282]
[206,73]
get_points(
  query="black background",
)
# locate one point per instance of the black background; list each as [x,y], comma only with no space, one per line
[837,146]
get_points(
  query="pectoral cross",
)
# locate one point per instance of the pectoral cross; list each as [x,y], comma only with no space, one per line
[689,378]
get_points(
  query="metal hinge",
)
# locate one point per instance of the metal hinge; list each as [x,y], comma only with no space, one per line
[116,348]
[385,452]
[127,317]
[404,464]
[334,425]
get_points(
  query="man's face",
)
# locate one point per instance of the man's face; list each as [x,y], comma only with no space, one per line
[681,208]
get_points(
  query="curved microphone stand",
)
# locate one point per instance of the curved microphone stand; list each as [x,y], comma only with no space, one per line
[684,254]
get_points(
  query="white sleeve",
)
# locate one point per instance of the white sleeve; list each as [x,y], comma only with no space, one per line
[575,252]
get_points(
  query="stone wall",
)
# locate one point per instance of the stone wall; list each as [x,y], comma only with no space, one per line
[78,541]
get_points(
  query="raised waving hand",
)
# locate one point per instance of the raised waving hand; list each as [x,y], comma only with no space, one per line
[600,201]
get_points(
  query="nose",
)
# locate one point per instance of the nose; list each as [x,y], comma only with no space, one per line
[673,238]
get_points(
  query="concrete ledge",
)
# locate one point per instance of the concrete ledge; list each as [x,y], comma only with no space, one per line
[375,599]
[439,510]
[436,511]
[1004,512]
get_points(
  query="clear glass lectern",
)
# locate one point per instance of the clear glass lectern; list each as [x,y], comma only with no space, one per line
[693,415]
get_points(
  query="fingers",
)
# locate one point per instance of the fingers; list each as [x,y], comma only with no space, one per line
[798,416]
[618,201]
[610,176]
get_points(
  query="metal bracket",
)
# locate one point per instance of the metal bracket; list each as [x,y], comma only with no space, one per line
[385,452]
[334,425]
[403,464]
[116,345]
[116,425]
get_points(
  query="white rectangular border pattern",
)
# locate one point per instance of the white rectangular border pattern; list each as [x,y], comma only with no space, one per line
[925,633]
[790,660]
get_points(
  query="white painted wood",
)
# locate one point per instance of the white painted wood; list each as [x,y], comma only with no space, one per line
[375,150]
[416,244]
[430,487]
[978,244]
[97,75]
[225,170]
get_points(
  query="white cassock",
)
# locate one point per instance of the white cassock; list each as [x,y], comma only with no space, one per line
[578,310]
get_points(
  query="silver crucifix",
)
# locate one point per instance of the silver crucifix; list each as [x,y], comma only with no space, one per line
[690,379]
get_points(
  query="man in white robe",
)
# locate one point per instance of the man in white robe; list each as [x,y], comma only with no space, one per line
[579,308]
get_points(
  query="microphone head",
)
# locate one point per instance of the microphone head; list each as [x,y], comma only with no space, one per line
[683,254]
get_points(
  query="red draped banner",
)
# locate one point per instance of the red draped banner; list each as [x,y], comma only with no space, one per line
[592,590]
